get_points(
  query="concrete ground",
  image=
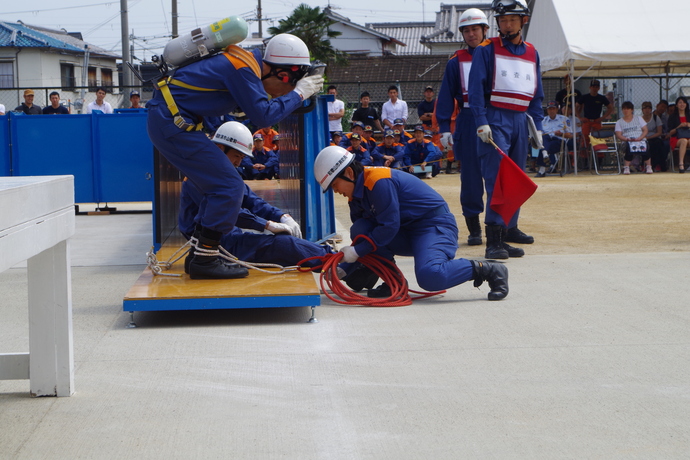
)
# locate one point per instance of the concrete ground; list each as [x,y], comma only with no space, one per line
[588,357]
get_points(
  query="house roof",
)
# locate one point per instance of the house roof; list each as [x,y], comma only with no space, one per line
[20,35]
[346,21]
[406,32]
[446,27]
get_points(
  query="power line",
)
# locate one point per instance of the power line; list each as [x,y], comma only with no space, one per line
[57,9]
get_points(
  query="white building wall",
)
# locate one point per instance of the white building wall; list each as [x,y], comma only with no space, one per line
[356,41]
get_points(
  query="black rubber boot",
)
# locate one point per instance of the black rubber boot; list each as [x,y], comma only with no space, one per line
[494,243]
[380,292]
[512,250]
[496,274]
[360,278]
[515,235]
[475,228]
[208,267]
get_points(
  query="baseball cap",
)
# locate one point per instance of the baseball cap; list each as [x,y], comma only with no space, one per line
[398,121]
[258,137]
[276,137]
[368,128]
[337,133]
[388,133]
[552,104]
[646,104]
[595,83]
[134,93]
[355,136]
[429,88]
[28,92]
[357,123]
[419,128]
[427,133]
[396,131]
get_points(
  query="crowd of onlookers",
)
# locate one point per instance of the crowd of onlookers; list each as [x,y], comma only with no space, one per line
[100,105]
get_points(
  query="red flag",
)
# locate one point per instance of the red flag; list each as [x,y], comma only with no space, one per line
[512,188]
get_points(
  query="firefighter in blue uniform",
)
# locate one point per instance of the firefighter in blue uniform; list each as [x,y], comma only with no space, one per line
[504,83]
[473,26]
[264,159]
[420,151]
[403,216]
[284,245]
[388,153]
[213,87]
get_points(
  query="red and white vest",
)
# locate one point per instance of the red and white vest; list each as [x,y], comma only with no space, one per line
[515,77]
[465,64]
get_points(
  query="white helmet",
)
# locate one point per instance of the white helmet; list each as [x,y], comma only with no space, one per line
[473,16]
[235,135]
[286,50]
[329,163]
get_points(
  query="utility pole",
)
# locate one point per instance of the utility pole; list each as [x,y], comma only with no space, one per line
[124,28]
[258,15]
[174,19]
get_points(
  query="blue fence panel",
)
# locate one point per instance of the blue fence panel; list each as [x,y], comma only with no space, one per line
[124,157]
[4,145]
[53,145]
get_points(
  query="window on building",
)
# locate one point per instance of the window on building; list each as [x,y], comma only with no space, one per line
[107,79]
[7,74]
[93,81]
[67,77]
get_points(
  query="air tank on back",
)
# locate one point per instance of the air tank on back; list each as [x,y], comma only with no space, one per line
[204,41]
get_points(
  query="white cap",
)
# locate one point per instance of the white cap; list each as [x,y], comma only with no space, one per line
[286,49]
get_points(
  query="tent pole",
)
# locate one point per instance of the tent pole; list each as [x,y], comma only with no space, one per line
[573,114]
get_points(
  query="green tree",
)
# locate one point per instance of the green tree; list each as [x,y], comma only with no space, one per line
[312,26]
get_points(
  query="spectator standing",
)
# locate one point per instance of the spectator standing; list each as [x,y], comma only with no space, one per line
[135,100]
[462,142]
[393,108]
[2,109]
[336,111]
[655,132]
[55,108]
[632,130]
[563,96]
[99,104]
[505,85]
[28,106]
[425,109]
[366,114]
[591,105]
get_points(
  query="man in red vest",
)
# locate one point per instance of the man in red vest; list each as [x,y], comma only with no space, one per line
[505,85]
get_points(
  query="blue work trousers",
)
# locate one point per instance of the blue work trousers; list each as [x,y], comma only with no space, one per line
[465,149]
[279,249]
[509,131]
[203,163]
[433,243]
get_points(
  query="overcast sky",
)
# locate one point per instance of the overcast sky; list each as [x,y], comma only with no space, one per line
[150,20]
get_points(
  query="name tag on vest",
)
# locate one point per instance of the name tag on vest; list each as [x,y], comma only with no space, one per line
[515,76]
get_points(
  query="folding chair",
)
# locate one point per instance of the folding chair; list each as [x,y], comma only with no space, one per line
[605,155]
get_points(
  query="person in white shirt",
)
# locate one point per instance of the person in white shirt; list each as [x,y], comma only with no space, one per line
[336,111]
[632,130]
[99,103]
[394,108]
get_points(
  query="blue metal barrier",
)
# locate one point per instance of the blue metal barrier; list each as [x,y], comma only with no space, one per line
[110,156]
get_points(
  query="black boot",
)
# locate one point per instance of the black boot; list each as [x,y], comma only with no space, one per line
[512,250]
[208,266]
[380,292]
[515,235]
[495,274]
[475,228]
[494,243]
[360,278]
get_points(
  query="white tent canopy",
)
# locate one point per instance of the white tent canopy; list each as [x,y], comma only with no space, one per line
[613,38]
